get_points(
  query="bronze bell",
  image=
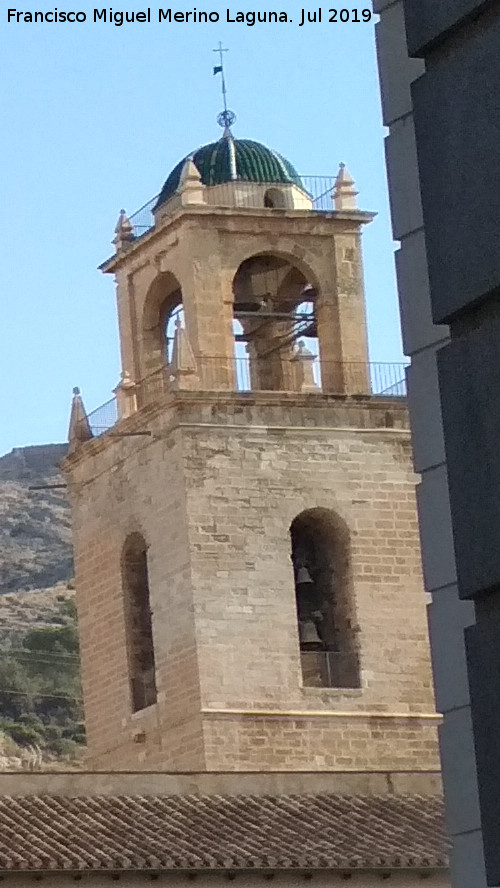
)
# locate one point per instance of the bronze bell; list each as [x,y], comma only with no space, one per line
[308,634]
[304,577]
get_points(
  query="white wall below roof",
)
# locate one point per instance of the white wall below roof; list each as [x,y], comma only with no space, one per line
[242,195]
[130,783]
[252,194]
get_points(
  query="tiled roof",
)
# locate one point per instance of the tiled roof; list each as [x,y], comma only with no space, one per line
[220,832]
[254,163]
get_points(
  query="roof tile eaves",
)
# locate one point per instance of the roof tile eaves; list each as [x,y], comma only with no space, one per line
[152,833]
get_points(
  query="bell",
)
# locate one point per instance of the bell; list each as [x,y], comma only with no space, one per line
[308,634]
[304,577]
[248,301]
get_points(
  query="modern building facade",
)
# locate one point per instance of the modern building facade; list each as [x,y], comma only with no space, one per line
[439,73]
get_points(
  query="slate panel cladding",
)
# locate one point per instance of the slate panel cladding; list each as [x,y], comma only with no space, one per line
[429,22]
[483,662]
[457,122]
[469,376]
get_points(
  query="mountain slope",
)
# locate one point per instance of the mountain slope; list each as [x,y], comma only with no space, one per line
[35,532]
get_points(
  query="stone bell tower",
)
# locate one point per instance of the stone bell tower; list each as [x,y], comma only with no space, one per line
[246,545]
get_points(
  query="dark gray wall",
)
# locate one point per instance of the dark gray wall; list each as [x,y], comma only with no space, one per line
[457,121]
[483,661]
[456,106]
[469,374]
[427,21]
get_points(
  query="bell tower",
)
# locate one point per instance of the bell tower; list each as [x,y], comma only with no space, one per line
[246,545]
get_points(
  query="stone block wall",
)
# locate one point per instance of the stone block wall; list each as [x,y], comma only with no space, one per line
[198,253]
[134,487]
[214,491]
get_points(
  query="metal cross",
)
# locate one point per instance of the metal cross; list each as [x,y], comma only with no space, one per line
[222,50]
[226,117]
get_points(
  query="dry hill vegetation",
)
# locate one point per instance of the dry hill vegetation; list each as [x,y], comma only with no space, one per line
[40,693]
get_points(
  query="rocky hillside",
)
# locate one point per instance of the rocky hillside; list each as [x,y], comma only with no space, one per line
[35,534]
[40,695]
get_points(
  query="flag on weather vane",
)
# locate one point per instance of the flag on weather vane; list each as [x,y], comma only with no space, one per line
[226,118]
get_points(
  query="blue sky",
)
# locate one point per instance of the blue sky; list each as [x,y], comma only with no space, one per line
[95,116]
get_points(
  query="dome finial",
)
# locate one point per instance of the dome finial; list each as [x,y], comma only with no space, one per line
[226,118]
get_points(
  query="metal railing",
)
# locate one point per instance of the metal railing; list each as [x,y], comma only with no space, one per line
[330,669]
[271,373]
[306,193]
[103,418]
[395,389]
[275,372]
[142,220]
[388,380]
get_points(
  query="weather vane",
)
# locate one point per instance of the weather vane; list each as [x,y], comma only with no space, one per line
[226,118]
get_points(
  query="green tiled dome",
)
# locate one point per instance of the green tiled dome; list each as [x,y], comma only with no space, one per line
[254,163]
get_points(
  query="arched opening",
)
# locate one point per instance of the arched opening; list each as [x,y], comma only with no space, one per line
[242,372]
[173,320]
[138,623]
[323,591]
[274,199]
[275,319]
[163,304]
